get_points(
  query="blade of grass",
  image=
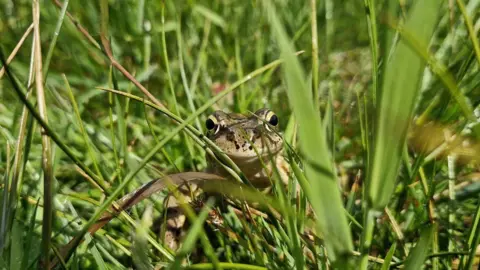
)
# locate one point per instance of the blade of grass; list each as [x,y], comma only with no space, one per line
[419,253]
[291,220]
[5,207]
[154,135]
[388,258]
[395,108]
[315,84]
[451,160]
[400,87]
[330,25]
[30,127]
[26,127]
[167,65]
[187,141]
[225,265]
[193,234]
[130,77]
[79,27]
[46,146]
[202,57]
[471,31]
[421,48]
[40,120]
[90,245]
[250,242]
[17,169]
[29,241]
[16,246]
[372,31]
[183,74]
[53,42]
[188,211]
[106,253]
[240,94]
[140,244]
[473,240]
[17,47]
[82,130]
[210,15]
[370,97]
[111,108]
[326,202]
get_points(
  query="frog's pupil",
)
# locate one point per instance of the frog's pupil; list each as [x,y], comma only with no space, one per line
[273,120]
[209,124]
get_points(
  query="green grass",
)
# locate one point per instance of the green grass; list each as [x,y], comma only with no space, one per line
[379,114]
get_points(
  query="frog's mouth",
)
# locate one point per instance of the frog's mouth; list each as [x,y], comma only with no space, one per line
[255,153]
[250,145]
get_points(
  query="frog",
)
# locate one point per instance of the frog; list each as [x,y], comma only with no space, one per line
[252,141]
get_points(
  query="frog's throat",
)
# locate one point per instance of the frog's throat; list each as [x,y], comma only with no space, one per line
[253,156]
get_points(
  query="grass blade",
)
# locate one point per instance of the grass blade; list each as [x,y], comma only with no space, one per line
[325,196]
[372,30]
[473,240]
[394,111]
[417,256]
[17,47]
[210,15]
[30,240]
[54,39]
[388,258]
[315,84]
[140,243]
[83,131]
[46,145]
[470,27]
[397,100]
[194,233]
[5,207]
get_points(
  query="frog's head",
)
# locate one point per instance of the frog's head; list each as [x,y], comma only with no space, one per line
[245,138]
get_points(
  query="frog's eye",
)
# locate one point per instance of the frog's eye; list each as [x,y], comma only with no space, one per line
[209,124]
[212,123]
[272,118]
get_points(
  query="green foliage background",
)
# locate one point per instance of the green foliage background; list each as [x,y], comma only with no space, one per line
[400,139]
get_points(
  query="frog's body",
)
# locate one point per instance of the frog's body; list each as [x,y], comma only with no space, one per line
[251,142]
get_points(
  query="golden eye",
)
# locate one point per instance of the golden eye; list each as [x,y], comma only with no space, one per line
[212,123]
[272,118]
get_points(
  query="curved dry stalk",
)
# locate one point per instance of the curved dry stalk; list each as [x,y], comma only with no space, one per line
[108,52]
[151,188]
[139,195]
[125,73]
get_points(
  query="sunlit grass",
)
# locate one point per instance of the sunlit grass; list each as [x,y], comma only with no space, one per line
[386,156]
